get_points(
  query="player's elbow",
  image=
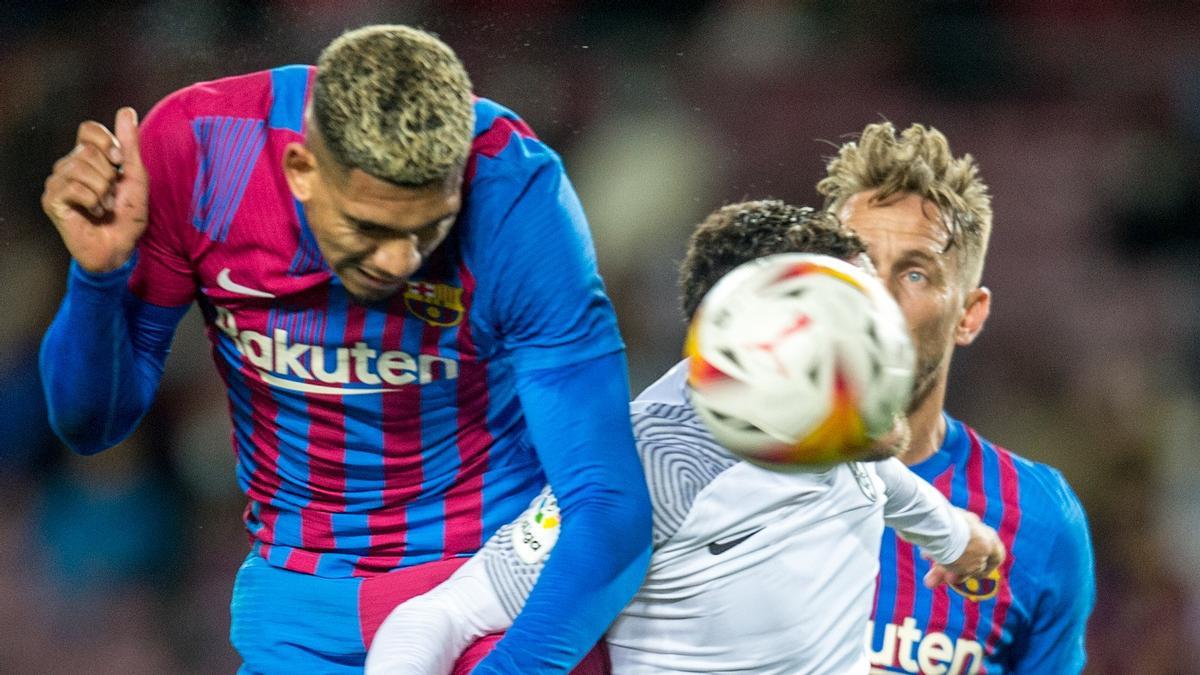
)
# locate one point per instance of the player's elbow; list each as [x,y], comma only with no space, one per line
[76,417]
[86,423]
[83,432]
[80,436]
[82,444]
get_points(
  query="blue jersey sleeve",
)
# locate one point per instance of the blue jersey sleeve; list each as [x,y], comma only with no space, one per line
[1055,639]
[578,417]
[102,357]
[540,300]
[539,290]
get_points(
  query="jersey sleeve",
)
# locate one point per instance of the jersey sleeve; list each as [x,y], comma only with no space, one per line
[578,421]
[102,358]
[539,289]
[920,514]
[679,459]
[1055,639]
[538,298]
[163,276]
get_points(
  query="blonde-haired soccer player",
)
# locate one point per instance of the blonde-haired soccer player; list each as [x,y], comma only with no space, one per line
[403,302]
[926,217]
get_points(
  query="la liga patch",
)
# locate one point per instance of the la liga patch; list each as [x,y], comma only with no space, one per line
[537,530]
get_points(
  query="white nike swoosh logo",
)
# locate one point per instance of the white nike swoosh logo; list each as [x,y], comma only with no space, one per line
[232,286]
[316,388]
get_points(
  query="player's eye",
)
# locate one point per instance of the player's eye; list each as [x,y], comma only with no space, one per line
[915,277]
[370,230]
[432,230]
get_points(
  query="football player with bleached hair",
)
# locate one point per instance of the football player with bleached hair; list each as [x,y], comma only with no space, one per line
[368,242]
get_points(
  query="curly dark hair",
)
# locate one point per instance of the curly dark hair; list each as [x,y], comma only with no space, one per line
[738,233]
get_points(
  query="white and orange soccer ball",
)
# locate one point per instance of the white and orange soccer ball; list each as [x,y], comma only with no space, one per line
[799,360]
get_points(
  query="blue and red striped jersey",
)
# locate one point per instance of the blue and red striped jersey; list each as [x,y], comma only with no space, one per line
[367,436]
[1030,615]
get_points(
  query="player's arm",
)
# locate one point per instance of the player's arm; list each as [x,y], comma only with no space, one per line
[103,355]
[956,540]
[428,633]
[1054,642]
[546,303]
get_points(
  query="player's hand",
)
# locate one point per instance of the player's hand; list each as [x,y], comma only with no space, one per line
[98,194]
[984,553]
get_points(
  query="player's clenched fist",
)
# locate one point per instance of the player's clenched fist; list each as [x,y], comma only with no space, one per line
[97,194]
[984,553]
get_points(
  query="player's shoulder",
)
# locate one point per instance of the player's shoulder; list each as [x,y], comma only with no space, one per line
[247,95]
[504,145]
[1045,498]
[680,459]
[662,411]
[1049,484]
[671,438]
[656,418]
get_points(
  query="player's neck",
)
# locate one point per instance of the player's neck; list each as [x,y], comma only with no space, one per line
[928,426]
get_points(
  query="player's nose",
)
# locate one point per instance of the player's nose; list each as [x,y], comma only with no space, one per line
[398,258]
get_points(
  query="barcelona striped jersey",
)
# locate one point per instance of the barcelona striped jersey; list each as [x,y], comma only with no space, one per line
[368,436]
[1030,615]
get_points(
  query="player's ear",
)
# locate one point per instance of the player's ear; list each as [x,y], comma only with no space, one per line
[975,314]
[300,169]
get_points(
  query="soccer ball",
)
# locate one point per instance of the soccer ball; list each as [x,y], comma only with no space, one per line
[798,360]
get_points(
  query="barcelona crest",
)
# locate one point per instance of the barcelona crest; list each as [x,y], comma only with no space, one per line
[435,304]
[979,589]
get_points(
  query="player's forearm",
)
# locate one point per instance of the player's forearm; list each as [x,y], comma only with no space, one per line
[578,417]
[99,376]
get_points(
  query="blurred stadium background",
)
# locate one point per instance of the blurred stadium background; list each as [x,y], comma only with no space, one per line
[1085,116]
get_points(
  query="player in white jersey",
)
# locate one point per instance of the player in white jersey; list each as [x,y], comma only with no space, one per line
[753,571]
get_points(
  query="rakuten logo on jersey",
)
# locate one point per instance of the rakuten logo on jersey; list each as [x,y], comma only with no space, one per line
[906,650]
[279,360]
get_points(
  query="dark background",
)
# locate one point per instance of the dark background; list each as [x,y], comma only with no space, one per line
[1085,117]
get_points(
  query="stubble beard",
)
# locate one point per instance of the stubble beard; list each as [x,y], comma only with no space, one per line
[925,380]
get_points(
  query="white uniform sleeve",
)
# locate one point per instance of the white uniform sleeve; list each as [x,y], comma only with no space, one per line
[428,633]
[920,514]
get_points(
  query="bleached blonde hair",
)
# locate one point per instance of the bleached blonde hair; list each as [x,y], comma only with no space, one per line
[395,102]
[918,161]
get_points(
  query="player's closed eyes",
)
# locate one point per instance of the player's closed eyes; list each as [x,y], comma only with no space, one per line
[374,231]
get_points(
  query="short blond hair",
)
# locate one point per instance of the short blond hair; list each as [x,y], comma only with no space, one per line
[918,161]
[395,102]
